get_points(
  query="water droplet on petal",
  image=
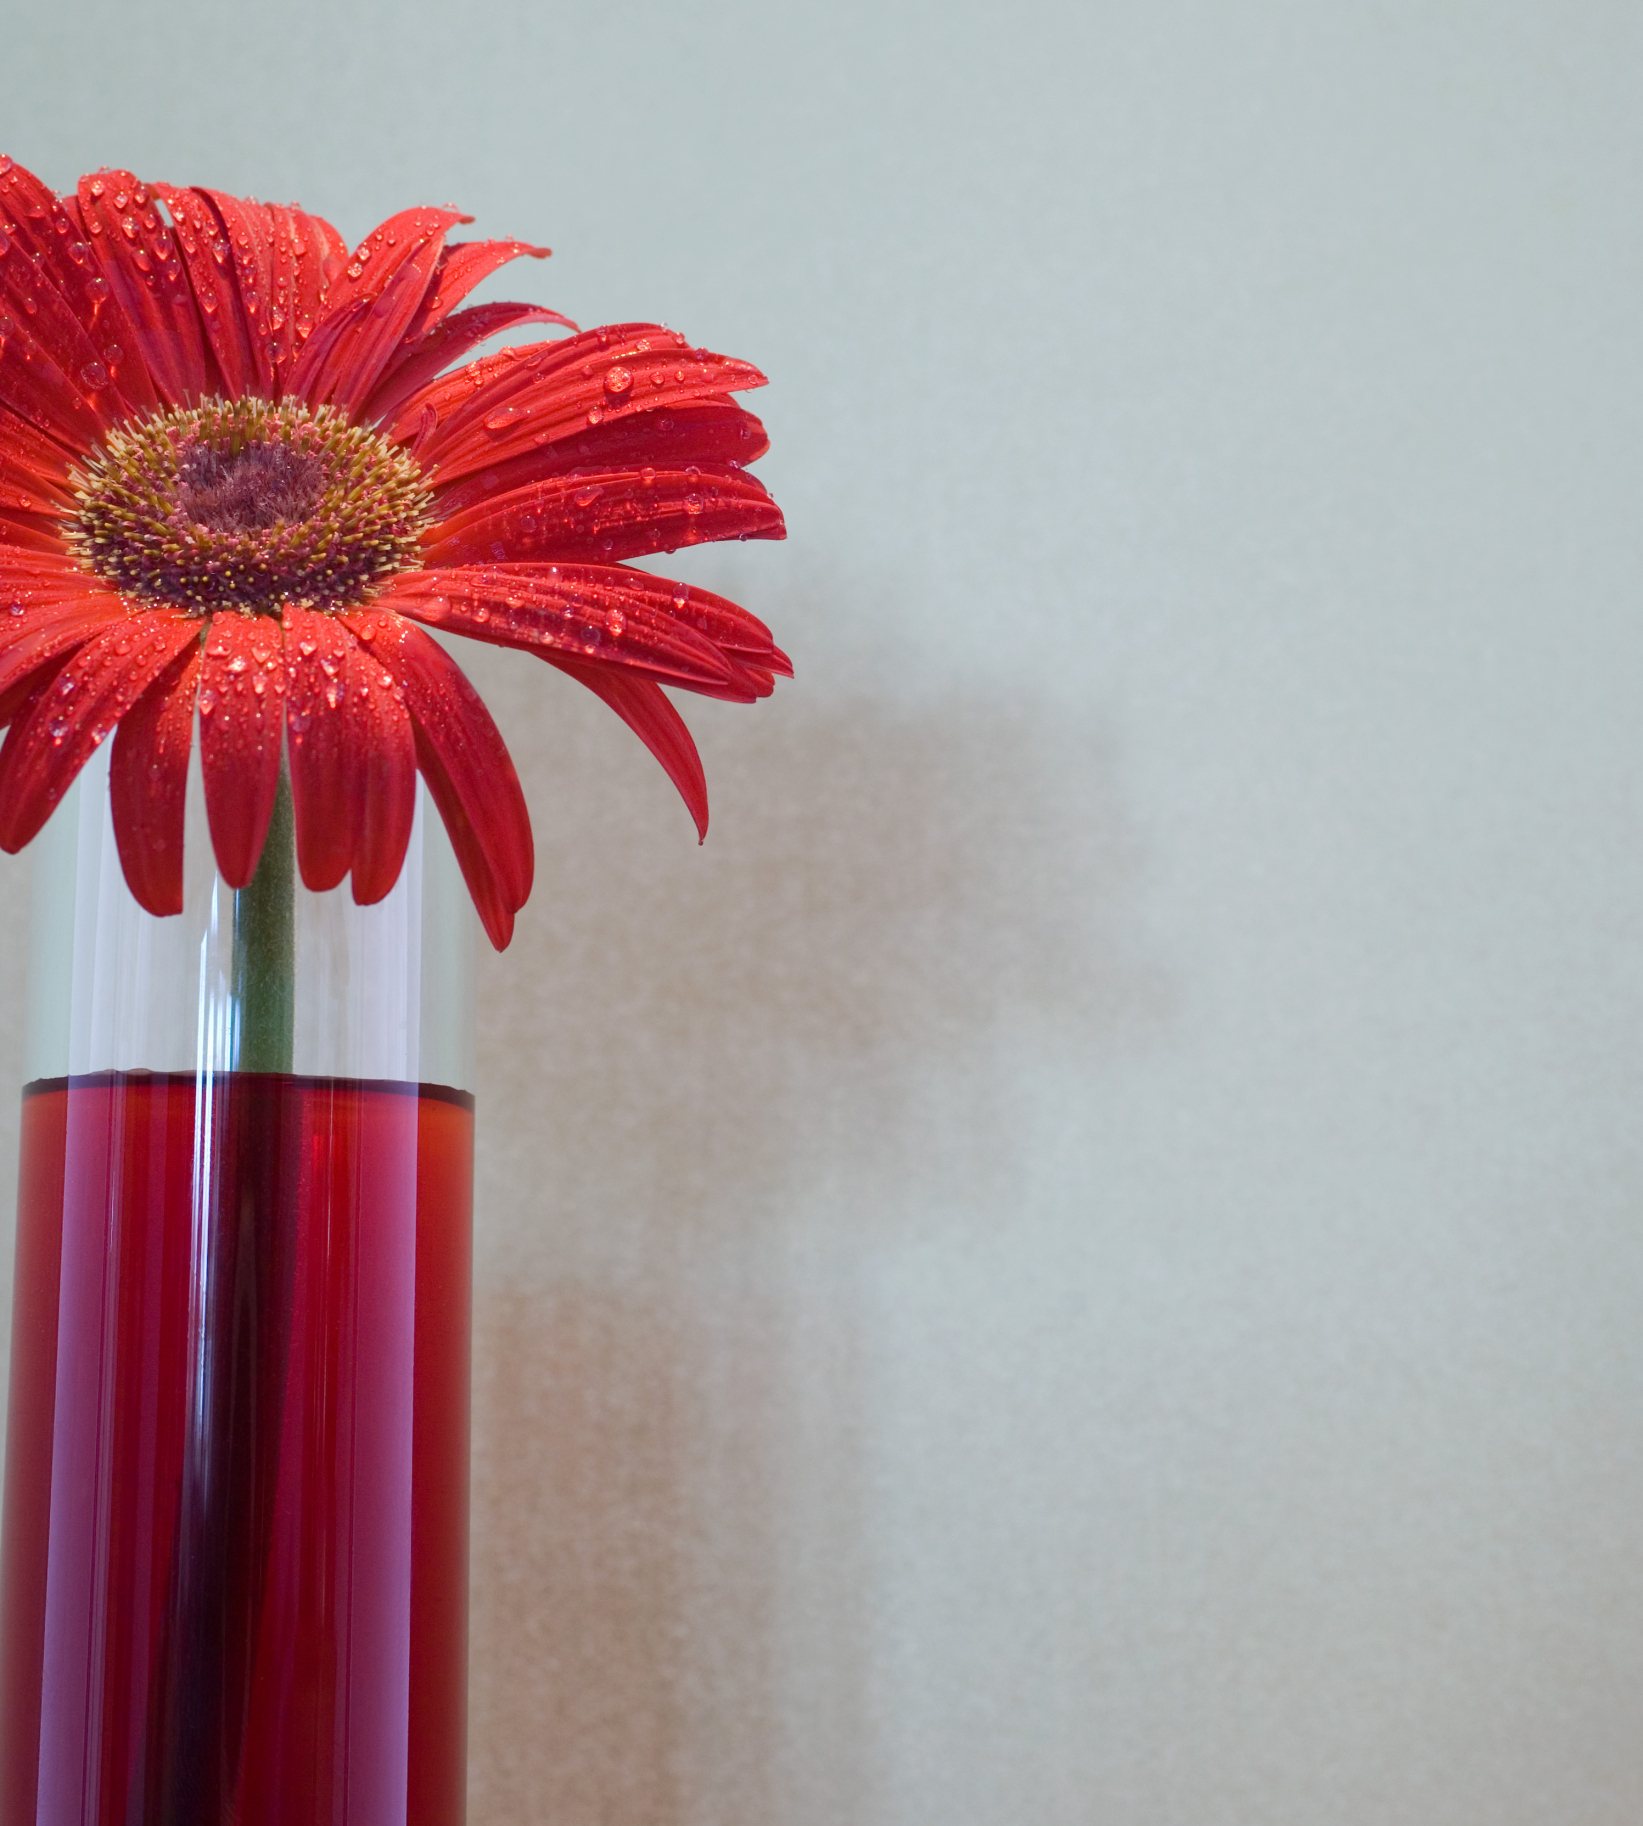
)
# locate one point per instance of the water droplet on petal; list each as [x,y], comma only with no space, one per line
[595,416]
[618,381]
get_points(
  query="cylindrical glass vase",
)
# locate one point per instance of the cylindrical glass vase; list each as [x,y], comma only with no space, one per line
[233,1578]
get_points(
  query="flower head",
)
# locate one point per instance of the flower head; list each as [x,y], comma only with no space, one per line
[238,480]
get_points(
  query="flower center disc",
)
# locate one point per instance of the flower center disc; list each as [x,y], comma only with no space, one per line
[248,505]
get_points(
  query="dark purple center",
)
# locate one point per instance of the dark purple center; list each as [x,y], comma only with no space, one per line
[250,488]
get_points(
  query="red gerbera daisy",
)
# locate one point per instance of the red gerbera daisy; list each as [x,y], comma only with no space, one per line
[234,478]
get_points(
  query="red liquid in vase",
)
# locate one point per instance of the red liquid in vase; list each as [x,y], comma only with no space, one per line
[233,1579]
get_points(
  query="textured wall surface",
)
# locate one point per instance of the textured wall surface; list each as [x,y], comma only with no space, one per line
[1082,1260]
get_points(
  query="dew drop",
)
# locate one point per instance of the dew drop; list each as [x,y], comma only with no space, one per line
[618,381]
[238,663]
[95,376]
[595,416]
[585,497]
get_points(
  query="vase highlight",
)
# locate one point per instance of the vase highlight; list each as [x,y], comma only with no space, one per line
[234,1556]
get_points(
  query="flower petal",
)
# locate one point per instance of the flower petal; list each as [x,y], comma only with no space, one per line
[461,755]
[148,784]
[139,257]
[34,389]
[708,432]
[210,258]
[387,746]
[606,614]
[32,307]
[43,635]
[33,532]
[33,467]
[607,516]
[51,232]
[541,393]
[53,739]
[324,796]
[442,345]
[461,266]
[242,724]
[353,759]
[649,713]
[309,255]
[372,304]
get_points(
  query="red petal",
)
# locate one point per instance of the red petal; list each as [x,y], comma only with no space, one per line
[373,303]
[470,774]
[148,785]
[647,711]
[51,232]
[463,265]
[52,741]
[33,532]
[43,634]
[140,259]
[33,467]
[543,393]
[722,435]
[353,759]
[442,345]
[308,255]
[607,517]
[36,311]
[387,746]
[242,696]
[323,787]
[210,261]
[248,232]
[37,391]
[605,614]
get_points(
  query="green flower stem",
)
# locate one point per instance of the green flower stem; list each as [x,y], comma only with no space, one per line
[265,947]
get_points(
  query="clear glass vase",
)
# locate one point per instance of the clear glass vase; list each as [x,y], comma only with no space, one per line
[234,1573]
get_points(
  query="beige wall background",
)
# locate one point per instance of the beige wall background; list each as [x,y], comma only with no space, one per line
[1081,1261]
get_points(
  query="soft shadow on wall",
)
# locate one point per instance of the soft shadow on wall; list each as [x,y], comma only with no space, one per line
[709,1078]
